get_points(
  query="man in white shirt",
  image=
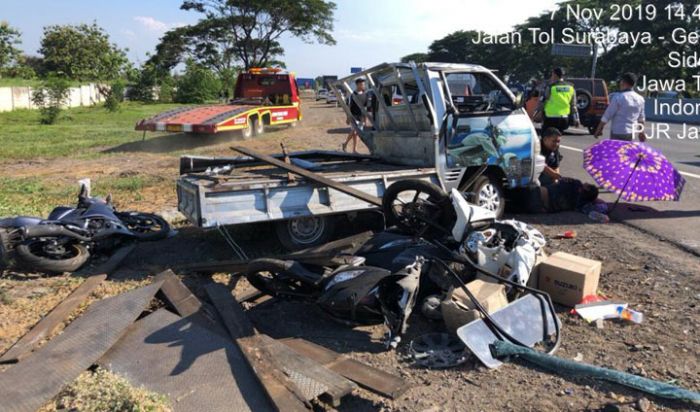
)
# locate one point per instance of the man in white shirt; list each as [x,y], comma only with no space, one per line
[625,111]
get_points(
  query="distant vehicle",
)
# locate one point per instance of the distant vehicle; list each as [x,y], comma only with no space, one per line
[321,94]
[263,96]
[668,94]
[331,97]
[591,100]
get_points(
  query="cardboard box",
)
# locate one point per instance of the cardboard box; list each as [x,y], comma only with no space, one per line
[458,310]
[568,278]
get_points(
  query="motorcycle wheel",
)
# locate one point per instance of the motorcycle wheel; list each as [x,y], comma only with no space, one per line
[41,256]
[264,275]
[146,226]
[427,214]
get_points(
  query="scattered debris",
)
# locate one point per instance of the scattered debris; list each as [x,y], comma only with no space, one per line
[438,351]
[80,345]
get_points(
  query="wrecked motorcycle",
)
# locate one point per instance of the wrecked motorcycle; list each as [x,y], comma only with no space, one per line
[63,241]
[353,293]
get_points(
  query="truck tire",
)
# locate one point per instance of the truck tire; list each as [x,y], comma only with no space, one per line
[583,100]
[304,232]
[259,126]
[488,192]
[247,133]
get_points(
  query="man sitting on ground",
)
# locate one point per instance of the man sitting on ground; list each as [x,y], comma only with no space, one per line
[551,139]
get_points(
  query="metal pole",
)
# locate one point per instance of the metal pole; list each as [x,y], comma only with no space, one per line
[639,159]
[595,60]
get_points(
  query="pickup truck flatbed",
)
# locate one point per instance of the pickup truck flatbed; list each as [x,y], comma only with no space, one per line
[256,192]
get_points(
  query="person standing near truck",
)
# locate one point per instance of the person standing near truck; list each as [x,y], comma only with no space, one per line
[359,99]
[558,103]
[626,110]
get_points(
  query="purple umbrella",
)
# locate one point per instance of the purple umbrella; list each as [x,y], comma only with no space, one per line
[634,170]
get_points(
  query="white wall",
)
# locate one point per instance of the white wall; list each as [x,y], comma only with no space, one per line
[12,98]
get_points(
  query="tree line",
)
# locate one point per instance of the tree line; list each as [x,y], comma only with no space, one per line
[230,36]
[527,61]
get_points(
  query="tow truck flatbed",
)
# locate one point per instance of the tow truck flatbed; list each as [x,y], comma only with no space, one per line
[263,97]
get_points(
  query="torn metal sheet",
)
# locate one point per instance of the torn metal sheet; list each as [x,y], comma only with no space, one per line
[366,376]
[524,319]
[48,324]
[312,378]
[33,382]
[198,370]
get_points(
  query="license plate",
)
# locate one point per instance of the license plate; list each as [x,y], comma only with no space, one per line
[173,127]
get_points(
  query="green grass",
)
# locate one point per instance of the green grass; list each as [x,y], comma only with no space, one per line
[77,131]
[32,196]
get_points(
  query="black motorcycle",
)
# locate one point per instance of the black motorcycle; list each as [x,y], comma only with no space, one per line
[63,242]
[352,293]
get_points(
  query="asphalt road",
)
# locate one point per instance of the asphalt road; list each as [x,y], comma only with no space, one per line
[678,222]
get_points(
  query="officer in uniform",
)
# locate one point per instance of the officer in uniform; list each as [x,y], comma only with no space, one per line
[558,103]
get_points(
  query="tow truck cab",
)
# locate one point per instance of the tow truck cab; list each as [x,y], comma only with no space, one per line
[457,118]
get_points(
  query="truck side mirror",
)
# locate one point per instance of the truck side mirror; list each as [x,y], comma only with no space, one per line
[519,102]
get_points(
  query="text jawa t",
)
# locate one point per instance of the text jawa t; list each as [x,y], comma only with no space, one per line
[262,97]
[456,125]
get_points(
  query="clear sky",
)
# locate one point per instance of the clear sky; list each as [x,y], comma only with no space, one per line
[367,32]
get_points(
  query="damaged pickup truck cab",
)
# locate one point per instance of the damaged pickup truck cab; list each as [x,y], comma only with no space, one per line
[455,125]
[457,118]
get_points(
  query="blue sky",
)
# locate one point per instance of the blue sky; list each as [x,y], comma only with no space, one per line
[367,32]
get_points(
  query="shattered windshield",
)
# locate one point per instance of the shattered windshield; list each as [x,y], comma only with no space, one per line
[477,92]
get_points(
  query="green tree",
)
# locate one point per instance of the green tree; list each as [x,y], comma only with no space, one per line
[197,85]
[114,96]
[415,57]
[244,31]
[50,98]
[9,39]
[82,52]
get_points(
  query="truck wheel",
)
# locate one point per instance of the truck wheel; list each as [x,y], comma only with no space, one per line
[259,126]
[304,232]
[488,192]
[583,100]
[247,133]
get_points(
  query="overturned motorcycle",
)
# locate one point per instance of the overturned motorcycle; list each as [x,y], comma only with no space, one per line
[64,241]
[439,243]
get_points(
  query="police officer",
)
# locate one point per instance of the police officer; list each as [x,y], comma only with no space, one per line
[558,102]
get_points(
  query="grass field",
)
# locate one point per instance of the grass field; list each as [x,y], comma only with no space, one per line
[79,139]
[77,130]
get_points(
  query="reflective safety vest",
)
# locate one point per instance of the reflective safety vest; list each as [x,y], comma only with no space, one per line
[559,102]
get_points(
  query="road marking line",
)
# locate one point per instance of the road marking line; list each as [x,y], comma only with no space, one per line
[576,149]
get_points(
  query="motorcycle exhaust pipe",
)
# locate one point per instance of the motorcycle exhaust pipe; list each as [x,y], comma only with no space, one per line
[51,231]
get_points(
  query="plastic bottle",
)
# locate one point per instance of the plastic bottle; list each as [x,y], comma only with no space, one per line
[630,315]
[598,217]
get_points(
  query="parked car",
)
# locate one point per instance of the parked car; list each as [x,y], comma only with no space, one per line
[321,94]
[331,98]
[591,100]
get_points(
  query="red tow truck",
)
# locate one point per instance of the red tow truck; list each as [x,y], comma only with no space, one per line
[263,97]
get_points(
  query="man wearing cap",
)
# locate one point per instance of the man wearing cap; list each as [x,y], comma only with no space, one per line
[558,102]
[625,111]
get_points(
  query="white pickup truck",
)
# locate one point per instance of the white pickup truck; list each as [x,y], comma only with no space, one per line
[456,125]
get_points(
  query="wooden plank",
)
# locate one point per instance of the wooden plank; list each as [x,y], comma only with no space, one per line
[28,385]
[187,305]
[280,390]
[49,323]
[308,375]
[364,375]
[311,176]
[230,311]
